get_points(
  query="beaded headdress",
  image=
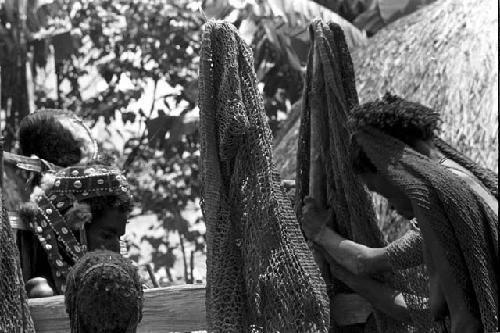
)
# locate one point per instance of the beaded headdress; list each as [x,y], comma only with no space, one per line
[61,191]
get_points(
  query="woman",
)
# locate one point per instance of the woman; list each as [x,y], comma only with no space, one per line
[396,154]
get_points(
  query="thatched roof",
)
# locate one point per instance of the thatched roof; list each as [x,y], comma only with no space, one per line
[444,56]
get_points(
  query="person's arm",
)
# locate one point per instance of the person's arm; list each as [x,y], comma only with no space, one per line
[349,260]
[406,251]
[380,295]
[357,258]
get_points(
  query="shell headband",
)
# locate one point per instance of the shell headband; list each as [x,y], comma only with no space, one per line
[68,186]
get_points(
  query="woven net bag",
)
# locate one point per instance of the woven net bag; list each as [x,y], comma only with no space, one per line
[14,311]
[261,276]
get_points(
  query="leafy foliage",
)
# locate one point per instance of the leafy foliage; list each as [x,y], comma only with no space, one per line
[115,51]
[126,46]
[277,31]
[142,42]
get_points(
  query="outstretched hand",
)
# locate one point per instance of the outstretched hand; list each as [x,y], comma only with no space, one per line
[314,219]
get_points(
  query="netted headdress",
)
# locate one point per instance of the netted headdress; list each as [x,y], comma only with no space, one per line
[397,117]
[104,294]
[57,211]
[465,225]
[409,121]
[14,311]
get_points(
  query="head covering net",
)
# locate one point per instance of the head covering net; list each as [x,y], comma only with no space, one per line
[104,294]
[261,276]
[465,225]
[14,311]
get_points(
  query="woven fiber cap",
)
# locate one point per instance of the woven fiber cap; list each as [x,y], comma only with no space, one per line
[104,294]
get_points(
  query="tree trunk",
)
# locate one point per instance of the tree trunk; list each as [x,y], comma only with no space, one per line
[186,274]
[14,81]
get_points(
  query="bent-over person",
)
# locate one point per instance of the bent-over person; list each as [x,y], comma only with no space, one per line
[396,154]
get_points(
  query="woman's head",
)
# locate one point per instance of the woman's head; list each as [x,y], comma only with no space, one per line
[104,294]
[104,218]
[409,122]
[99,199]
[94,198]
[78,208]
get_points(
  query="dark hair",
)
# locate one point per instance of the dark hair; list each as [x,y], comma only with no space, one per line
[103,293]
[404,120]
[42,134]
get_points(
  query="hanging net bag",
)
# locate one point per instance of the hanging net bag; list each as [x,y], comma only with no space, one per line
[261,276]
[14,311]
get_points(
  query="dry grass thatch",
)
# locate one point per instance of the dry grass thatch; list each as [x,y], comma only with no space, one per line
[444,56]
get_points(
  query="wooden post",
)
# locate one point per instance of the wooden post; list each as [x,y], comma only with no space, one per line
[184,258]
[191,268]
[152,276]
[14,71]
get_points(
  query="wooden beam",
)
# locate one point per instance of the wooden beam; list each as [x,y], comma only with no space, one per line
[171,309]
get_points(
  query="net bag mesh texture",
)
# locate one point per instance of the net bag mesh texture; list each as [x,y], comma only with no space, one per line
[330,91]
[406,253]
[14,311]
[261,276]
[465,225]
[104,294]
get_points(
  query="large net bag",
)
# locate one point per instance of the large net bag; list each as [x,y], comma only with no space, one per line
[464,224]
[14,311]
[261,276]
[330,95]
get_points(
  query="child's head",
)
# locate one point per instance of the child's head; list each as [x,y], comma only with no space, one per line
[104,294]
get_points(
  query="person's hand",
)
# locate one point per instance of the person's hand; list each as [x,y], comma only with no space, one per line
[314,219]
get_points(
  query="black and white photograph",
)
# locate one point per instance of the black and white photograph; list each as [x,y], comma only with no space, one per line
[249,166]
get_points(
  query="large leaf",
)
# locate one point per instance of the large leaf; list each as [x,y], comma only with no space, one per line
[287,17]
[297,14]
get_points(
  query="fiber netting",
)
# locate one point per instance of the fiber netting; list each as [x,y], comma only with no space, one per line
[14,311]
[329,96]
[261,276]
[447,208]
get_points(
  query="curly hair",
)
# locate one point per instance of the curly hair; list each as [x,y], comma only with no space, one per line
[43,134]
[103,294]
[404,120]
